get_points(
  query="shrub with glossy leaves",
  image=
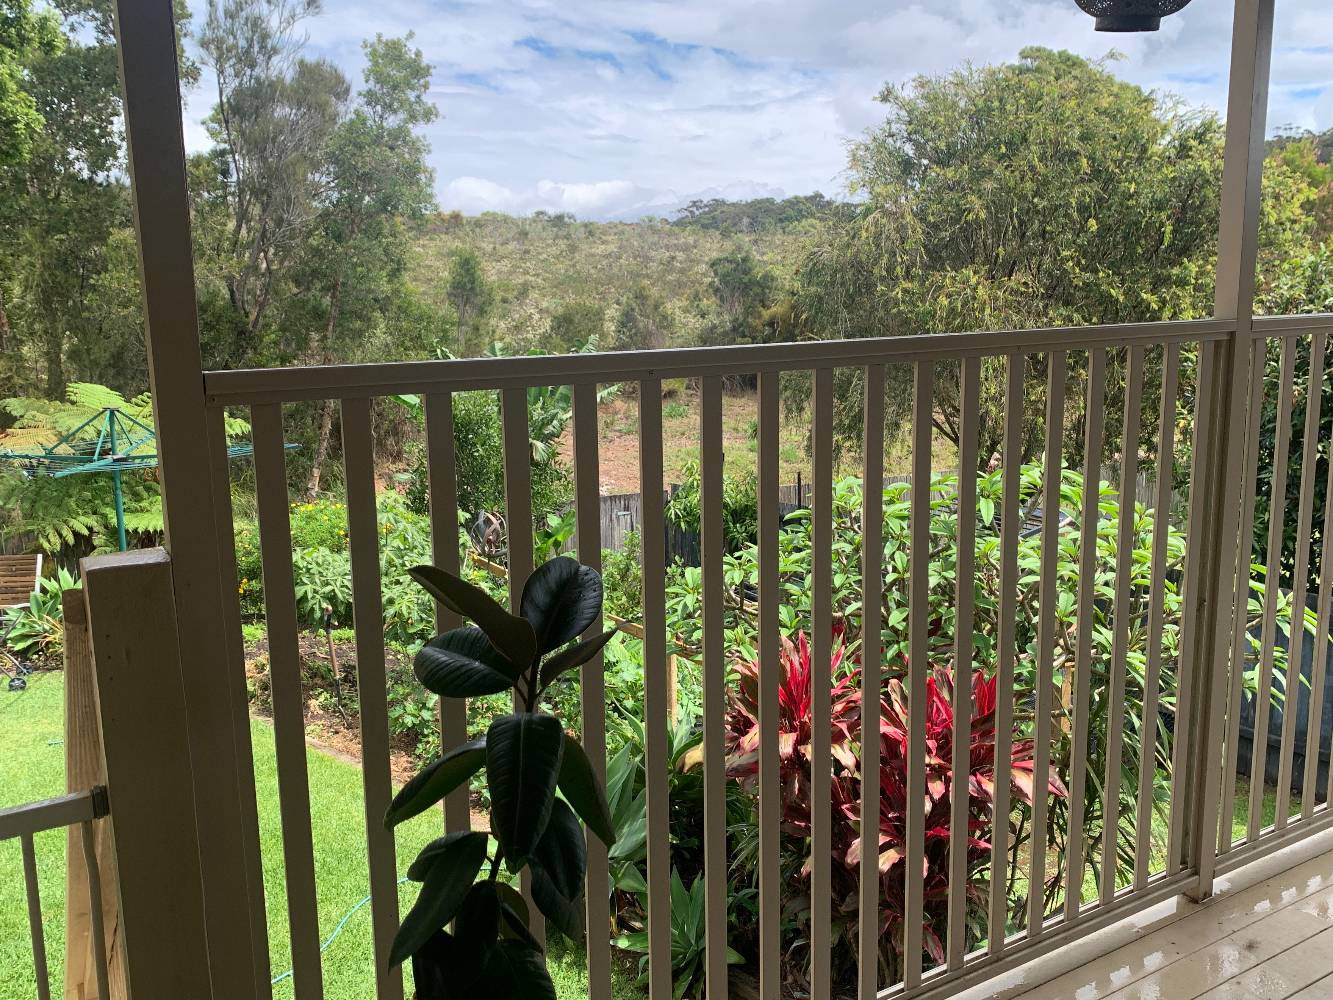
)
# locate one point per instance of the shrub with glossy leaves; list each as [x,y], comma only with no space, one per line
[527,756]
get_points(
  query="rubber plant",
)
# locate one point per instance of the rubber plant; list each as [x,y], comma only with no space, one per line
[543,790]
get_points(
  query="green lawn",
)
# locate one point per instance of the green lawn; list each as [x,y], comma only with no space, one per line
[31,728]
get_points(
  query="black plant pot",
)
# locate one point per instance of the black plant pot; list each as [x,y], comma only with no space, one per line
[1130,15]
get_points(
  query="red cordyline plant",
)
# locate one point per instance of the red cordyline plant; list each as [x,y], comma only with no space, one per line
[794,749]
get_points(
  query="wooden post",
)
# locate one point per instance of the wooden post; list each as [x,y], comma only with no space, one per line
[1218,595]
[139,692]
[84,770]
[191,503]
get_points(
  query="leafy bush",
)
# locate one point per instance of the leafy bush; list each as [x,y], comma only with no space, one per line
[37,630]
[623,578]
[740,506]
[794,741]
[319,524]
[689,940]
[527,756]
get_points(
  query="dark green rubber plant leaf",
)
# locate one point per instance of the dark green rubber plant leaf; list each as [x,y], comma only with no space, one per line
[477,925]
[514,914]
[436,780]
[574,656]
[561,599]
[449,866]
[512,635]
[425,858]
[514,970]
[558,864]
[440,970]
[462,663]
[523,754]
[580,786]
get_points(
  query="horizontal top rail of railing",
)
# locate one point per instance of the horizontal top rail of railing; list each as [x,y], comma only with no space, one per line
[51,814]
[272,385]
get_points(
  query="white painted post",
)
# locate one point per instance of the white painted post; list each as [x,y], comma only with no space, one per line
[1238,238]
[146,33]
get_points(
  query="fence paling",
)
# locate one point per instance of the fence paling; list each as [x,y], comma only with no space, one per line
[1241,592]
[715,685]
[1087,562]
[592,688]
[1315,715]
[653,560]
[964,601]
[368,612]
[770,798]
[997,918]
[443,480]
[1276,527]
[1184,765]
[872,601]
[821,759]
[516,451]
[1123,613]
[918,665]
[275,545]
[1148,724]
[1053,471]
[1296,624]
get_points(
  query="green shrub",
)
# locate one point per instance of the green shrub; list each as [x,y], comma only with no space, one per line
[319,524]
[37,629]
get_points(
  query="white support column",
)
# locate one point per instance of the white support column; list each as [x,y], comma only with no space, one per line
[151,88]
[1238,238]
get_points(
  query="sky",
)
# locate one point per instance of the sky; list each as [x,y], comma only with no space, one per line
[611,109]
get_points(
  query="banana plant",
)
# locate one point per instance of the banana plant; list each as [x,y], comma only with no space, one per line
[529,758]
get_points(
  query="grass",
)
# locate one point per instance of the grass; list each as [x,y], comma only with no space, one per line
[31,727]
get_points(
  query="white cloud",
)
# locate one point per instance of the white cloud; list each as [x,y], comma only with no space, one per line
[608,108]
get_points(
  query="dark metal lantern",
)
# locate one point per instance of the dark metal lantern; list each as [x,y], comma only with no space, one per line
[1130,15]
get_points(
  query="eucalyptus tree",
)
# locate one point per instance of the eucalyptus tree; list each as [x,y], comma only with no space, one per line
[274,116]
[377,179]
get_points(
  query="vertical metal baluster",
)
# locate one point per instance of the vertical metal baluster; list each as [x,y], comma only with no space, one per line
[712,552]
[1319,655]
[371,686]
[1300,583]
[1052,479]
[1166,427]
[39,966]
[97,929]
[443,479]
[1277,504]
[1244,559]
[770,789]
[518,526]
[872,603]
[1094,416]
[655,689]
[592,688]
[821,682]
[918,667]
[960,800]
[1011,516]
[1123,613]
[1183,750]
[275,546]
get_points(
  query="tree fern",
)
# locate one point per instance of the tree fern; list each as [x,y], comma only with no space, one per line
[75,515]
